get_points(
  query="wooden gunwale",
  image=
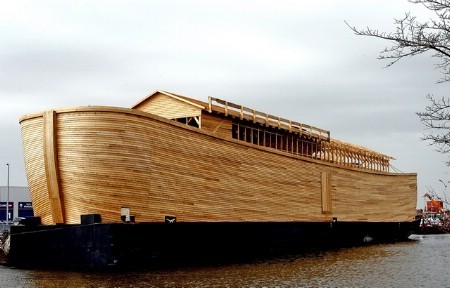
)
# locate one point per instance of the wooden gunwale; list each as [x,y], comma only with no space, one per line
[183,126]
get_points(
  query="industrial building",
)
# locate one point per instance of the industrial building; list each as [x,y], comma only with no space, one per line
[19,202]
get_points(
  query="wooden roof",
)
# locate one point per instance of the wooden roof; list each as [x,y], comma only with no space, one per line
[193,102]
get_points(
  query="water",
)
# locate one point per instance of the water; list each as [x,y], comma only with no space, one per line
[422,262]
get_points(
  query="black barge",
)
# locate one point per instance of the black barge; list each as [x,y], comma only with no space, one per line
[93,244]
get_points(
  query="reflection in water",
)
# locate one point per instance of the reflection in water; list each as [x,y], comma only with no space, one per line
[421,262]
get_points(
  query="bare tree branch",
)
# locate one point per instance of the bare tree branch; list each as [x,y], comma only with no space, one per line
[413,37]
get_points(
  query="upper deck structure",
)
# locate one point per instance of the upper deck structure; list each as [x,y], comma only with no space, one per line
[230,120]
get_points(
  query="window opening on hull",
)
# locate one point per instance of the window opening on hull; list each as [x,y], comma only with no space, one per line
[274,138]
[308,146]
[191,121]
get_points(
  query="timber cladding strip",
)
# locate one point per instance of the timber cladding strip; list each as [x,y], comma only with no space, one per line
[326,192]
[51,166]
[110,158]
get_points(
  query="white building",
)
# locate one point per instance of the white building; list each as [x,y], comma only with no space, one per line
[19,202]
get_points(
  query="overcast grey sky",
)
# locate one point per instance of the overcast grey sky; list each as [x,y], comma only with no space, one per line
[295,59]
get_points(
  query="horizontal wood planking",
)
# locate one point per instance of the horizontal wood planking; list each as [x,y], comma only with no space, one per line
[219,126]
[111,158]
[33,147]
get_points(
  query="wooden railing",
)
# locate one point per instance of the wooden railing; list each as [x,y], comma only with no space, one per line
[334,151]
[351,156]
[231,109]
[325,149]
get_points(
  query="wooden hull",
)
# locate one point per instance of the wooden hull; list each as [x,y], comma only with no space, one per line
[96,160]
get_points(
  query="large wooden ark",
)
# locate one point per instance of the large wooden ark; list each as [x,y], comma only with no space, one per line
[173,157]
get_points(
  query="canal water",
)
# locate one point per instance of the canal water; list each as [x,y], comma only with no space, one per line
[422,262]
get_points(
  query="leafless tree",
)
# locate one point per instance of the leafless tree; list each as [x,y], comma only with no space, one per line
[413,37]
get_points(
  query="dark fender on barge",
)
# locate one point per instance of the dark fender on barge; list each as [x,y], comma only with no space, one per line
[130,245]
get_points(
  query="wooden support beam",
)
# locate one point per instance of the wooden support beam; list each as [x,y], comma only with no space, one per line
[209,104]
[197,119]
[326,193]
[51,167]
